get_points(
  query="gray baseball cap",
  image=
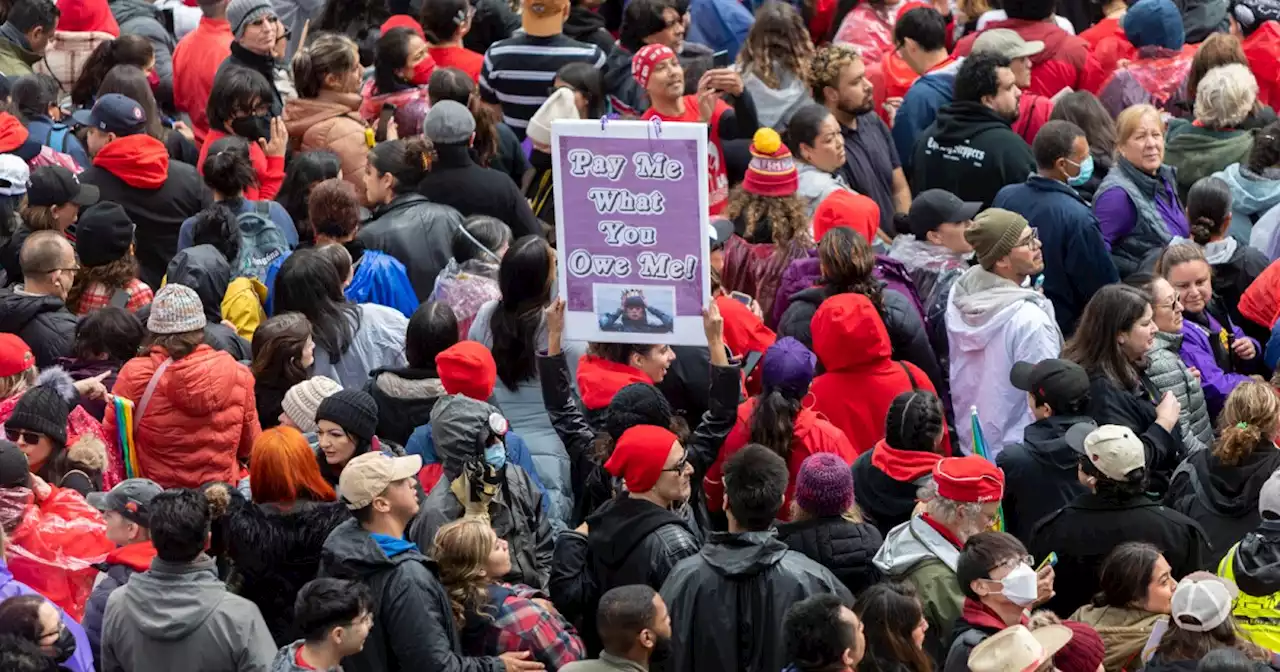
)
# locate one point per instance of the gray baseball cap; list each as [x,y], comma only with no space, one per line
[449,123]
[130,498]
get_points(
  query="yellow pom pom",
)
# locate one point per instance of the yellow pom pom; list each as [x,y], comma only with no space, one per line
[766,141]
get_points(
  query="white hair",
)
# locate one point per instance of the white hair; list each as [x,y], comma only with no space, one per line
[949,512]
[1225,96]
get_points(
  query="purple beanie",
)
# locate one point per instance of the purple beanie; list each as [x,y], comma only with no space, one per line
[788,366]
[824,486]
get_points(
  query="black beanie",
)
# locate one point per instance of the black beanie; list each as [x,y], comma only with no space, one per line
[354,411]
[14,469]
[636,404]
[42,409]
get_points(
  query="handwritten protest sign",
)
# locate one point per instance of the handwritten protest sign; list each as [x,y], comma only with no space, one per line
[632,242]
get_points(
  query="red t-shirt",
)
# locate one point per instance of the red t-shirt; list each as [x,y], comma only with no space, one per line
[458,57]
[717,176]
[298,661]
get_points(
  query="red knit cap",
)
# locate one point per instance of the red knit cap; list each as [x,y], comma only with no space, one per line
[771,172]
[971,479]
[1085,651]
[639,455]
[646,59]
[845,208]
[467,368]
[15,355]
[12,133]
[403,21]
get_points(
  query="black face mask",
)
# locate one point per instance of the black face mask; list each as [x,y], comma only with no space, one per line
[65,647]
[252,128]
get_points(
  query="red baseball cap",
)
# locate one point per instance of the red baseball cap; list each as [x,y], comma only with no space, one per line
[15,356]
[972,479]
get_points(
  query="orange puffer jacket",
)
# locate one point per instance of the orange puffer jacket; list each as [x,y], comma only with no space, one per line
[201,420]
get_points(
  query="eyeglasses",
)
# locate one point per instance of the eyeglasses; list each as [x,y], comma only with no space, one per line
[29,438]
[1014,562]
[1171,305]
[678,467]
[1033,241]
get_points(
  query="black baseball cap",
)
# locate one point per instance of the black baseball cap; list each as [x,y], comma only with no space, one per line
[131,498]
[113,113]
[719,230]
[55,185]
[935,207]
[1057,382]
[14,469]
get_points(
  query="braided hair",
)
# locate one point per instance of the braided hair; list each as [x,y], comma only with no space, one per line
[914,422]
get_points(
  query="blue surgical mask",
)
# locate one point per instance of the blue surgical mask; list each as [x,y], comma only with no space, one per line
[1086,171]
[496,455]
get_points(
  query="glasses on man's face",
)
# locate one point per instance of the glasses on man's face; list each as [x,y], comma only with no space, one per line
[1032,241]
[678,467]
[29,438]
[1014,562]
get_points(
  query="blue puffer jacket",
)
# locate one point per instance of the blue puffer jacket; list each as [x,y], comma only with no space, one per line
[919,107]
[377,278]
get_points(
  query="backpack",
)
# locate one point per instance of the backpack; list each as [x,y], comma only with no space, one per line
[56,138]
[260,242]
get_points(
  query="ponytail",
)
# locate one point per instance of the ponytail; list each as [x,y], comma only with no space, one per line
[228,169]
[328,54]
[125,50]
[773,421]
[454,84]
[1250,416]
[406,160]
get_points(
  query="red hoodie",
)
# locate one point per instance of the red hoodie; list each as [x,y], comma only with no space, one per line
[137,556]
[904,466]
[84,16]
[861,379]
[1262,48]
[1063,63]
[599,379]
[140,161]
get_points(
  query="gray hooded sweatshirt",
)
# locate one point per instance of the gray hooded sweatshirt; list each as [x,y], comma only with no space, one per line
[179,616]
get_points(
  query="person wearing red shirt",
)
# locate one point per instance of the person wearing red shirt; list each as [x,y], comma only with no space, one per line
[240,104]
[338,616]
[657,70]
[445,23]
[1257,24]
[1064,62]
[195,62]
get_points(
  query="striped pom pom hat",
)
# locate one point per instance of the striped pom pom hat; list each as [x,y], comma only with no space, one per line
[772,172]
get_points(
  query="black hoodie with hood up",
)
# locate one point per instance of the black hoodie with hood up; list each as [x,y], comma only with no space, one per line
[1040,474]
[1222,498]
[1256,564]
[971,152]
[585,25]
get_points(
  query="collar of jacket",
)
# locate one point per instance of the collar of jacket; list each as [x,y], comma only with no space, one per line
[10,33]
[263,64]
[620,663]
[1148,184]
[1092,502]
[453,156]
[400,202]
[1042,183]
[202,563]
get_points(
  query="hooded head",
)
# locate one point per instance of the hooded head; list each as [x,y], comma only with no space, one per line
[848,333]
[1154,23]
[461,429]
[204,269]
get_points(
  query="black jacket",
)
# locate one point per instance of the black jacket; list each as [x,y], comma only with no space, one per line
[907,335]
[457,181]
[585,25]
[1222,498]
[884,500]
[274,553]
[263,65]
[417,232]
[1111,405]
[157,213]
[628,541]
[1232,277]
[1256,566]
[405,398]
[1083,532]
[728,601]
[843,547]
[493,20]
[43,322]
[971,152]
[413,627]
[1039,474]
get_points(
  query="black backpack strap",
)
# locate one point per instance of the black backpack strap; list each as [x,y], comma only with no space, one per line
[910,377]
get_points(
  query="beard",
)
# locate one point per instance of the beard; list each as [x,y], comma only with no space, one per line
[855,111]
[1012,117]
[661,651]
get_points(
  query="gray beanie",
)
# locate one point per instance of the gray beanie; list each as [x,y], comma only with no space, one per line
[176,309]
[302,400]
[243,13]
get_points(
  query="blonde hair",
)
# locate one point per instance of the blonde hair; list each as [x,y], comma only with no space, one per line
[827,64]
[1177,254]
[461,549]
[1250,416]
[1131,118]
[1226,96]
[12,386]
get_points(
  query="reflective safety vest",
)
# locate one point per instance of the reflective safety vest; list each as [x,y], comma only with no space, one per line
[1259,616]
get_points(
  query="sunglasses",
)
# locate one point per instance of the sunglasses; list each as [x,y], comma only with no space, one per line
[29,438]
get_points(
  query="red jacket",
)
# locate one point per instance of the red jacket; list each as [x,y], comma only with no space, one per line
[1033,112]
[743,331]
[270,169]
[1260,302]
[201,420]
[861,379]
[85,16]
[599,379]
[195,62]
[1262,48]
[1108,44]
[1064,62]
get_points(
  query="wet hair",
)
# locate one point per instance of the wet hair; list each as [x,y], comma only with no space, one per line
[804,127]
[111,331]
[325,604]
[442,19]
[976,79]
[1250,418]
[1125,575]
[309,284]
[524,278]
[490,232]
[640,19]
[1266,149]
[814,635]
[784,215]
[236,90]
[456,85]
[216,225]
[334,209]
[134,50]
[228,169]
[1055,140]
[408,160]
[32,95]
[130,82]
[925,26]
[915,421]
[432,329]
[1217,50]
[1085,110]
[890,612]
[847,262]
[20,617]
[623,613]
[277,350]
[390,53]
[777,39]
[1113,309]
[755,480]
[327,54]
[587,80]
[283,469]
[1208,208]
[827,64]
[981,554]
[305,171]
[179,524]
[27,15]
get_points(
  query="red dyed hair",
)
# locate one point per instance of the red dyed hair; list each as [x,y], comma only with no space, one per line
[283,469]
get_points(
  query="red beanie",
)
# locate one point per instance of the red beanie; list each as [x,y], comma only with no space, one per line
[639,455]
[845,208]
[467,368]
[84,16]
[649,56]
[403,21]
[12,133]
[970,479]
[772,171]
[1085,651]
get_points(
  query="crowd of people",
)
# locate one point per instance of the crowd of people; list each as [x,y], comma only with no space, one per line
[989,381]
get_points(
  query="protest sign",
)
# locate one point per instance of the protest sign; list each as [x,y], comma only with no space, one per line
[632,242]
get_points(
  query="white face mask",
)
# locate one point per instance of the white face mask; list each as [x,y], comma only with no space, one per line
[1019,586]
